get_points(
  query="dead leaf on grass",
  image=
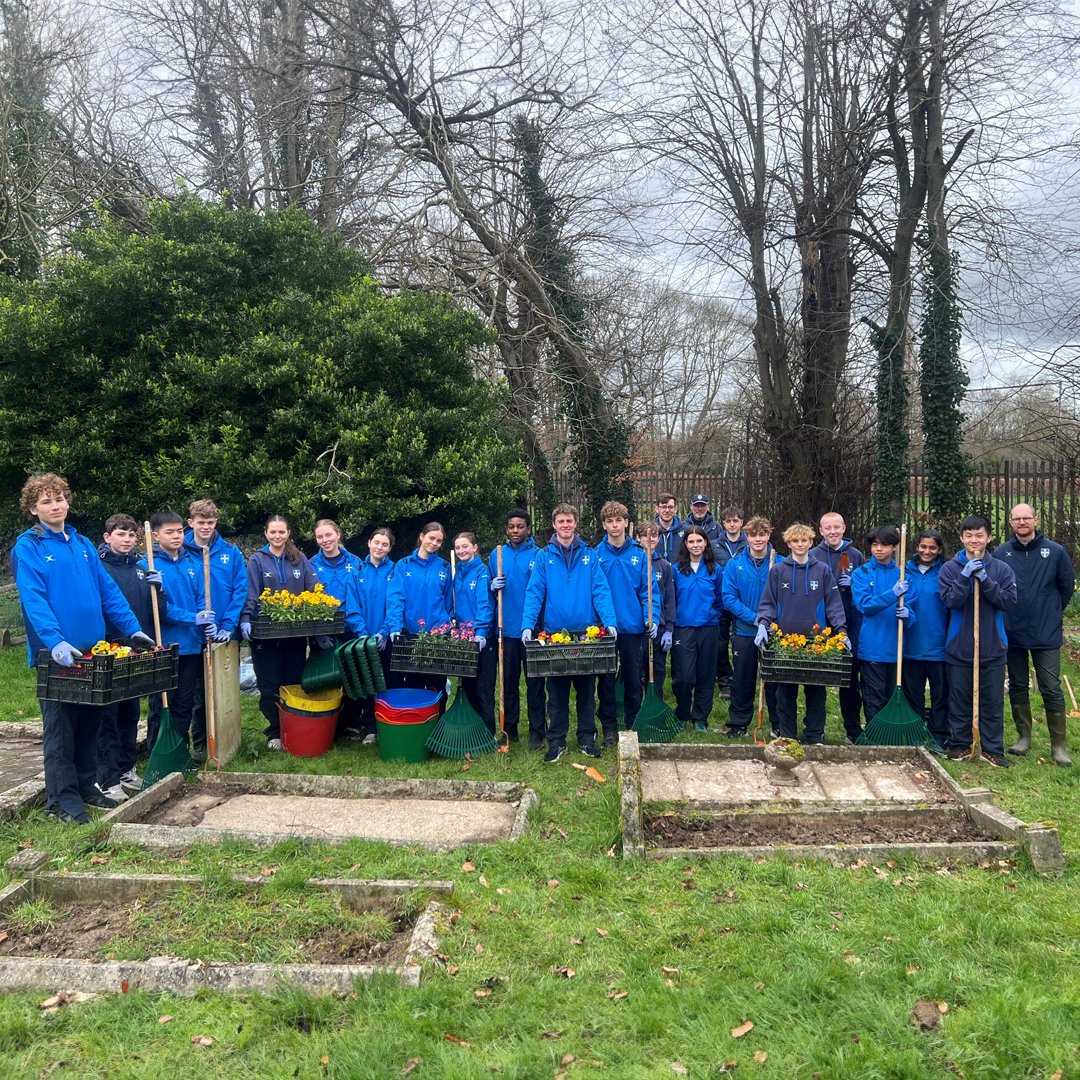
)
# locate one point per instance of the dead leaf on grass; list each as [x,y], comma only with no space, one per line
[838,915]
[911,969]
[551,1034]
[483,881]
[324,1060]
[602,932]
[268,871]
[166,1019]
[479,949]
[201,1040]
[926,1016]
[3,936]
[759,986]
[577,941]
[76,997]
[553,883]
[452,969]
[618,995]
[563,833]
[503,891]
[742,1029]
[851,958]
[943,1007]
[454,1039]
[98,860]
[565,972]
[679,1069]
[567,1059]
[468,867]
[669,970]
[483,993]
[761,1056]
[409,1066]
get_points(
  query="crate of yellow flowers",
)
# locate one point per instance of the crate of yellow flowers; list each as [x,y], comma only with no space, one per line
[820,658]
[563,653]
[308,614]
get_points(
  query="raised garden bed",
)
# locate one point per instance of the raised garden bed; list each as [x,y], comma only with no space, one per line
[160,932]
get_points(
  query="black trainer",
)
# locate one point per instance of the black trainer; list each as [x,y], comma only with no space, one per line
[554,752]
[536,742]
[958,753]
[592,750]
[103,802]
[72,819]
[996,760]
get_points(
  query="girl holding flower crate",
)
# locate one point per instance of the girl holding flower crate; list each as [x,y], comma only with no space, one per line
[279,566]
[473,611]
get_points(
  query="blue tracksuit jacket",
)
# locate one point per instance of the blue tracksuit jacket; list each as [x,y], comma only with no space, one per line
[130,579]
[335,574]
[670,543]
[796,597]
[823,553]
[664,588]
[628,579]
[472,596]
[568,588]
[872,595]
[744,582]
[726,549]
[228,579]
[365,599]
[996,595]
[420,590]
[65,592]
[266,571]
[182,579]
[925,639]
[1044,586]
[699,598]
[517,565]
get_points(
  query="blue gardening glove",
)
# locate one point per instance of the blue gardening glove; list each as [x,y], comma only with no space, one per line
[653,630]
[380,642]
[972,566]
[844,581]
[139,638]
[526,636]
[395,635]
[498,582]
[665,641]
[903,612]
[204,618]
[245,629]
[761,638]
[981,572]
[210,631]
[325,642]
[481,642]
[901,587]
[152,577]
[222,636]
[65,654]
[612,632]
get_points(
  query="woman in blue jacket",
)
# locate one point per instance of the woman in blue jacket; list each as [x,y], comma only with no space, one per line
[699,583]
[924,643]
[277,661]
[473,611]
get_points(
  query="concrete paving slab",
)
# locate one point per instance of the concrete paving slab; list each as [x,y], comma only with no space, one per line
[840,782]
[892,784]
[391,820]
[660,782]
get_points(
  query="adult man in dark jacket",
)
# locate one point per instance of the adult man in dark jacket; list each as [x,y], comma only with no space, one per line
[1044,586]
[700,516]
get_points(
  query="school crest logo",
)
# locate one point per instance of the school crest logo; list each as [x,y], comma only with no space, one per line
[224,559]
[814,586]
[296,573]
[530,564]
[1044,552]
[585,560]
[472,585]
[634,560]
[442,575]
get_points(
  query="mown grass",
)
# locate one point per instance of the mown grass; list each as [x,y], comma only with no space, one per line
[826,962]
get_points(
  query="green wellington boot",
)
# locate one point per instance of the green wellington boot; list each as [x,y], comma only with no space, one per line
[1055,721]
[1022,720]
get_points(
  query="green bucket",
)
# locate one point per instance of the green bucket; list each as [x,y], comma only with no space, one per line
[405,742]
[322,671]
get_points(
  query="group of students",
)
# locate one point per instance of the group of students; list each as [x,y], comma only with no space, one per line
[665,592]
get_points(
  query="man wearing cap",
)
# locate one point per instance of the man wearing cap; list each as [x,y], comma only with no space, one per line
[700,516]
[1044,586]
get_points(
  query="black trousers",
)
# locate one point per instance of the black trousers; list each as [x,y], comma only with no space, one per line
[69,746]
[877,680]
[181,701]
[535,691]
[743,704]
[787,718]
[558,691]
[278,662]
[660,661]
[851,702]
[629,674]
[918,674]
[480,691]
[991,707]
[1047,674]
[116,741]
[693,672]
[724,670]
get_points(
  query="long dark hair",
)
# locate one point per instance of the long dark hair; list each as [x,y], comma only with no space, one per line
[292,552]
[708,556]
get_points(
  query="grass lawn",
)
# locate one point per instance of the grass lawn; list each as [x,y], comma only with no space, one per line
[666,958]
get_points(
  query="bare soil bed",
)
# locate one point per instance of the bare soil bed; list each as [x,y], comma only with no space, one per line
[737,830]
[324,931]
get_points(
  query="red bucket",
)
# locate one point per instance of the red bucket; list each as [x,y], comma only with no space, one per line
[407,705]
[307,734]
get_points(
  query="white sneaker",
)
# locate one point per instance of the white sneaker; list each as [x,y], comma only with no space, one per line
[273,744]
[369,739]
[116,793]
[131,781]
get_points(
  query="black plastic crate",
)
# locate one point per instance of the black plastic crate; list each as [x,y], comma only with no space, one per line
[598,657]
[834,670]
[105,680]
[435,654]
[263,629]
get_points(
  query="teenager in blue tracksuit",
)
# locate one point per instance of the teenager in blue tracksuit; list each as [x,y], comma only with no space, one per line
[744,581]
[1044,587]
[420,595]
[669,527]
[624,565]
[664,591]
[228,586]
[278,662]
[187,622]
[831,551]
[567,590]
[518,558]
[997,594]
[800,593]
[882,599]
[473,610]
[66,596]
[365,611]
[698,604]
[118,736]
[924,641]
[730,541]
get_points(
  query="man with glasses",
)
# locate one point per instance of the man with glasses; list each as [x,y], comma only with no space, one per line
[1044,586]
[667,521]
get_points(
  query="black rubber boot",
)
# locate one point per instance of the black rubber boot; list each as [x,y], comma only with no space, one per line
[1022,720]
[1055,721]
